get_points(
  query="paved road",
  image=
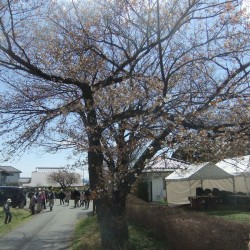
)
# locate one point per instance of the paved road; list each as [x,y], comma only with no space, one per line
[46,230]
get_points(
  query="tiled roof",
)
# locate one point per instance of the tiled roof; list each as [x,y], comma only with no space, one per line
[4,172]
[10,169]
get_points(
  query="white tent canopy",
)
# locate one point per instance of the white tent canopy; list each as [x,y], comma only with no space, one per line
[239,167]
[236,166]
[183,183]
[203,171]
[230,175]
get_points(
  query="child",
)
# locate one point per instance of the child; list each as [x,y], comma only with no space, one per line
[6,209]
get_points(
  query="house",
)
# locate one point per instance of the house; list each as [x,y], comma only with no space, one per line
[9,175]
[154,176]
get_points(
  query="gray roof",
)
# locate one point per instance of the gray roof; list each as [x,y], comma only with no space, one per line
[10,169]
[48,169]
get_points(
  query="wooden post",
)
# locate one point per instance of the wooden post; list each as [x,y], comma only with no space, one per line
[248,245]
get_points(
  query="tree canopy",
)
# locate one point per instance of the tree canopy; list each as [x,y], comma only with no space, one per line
[64,178]
[123,80]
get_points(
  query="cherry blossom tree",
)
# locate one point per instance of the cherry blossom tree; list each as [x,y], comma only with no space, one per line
[64,178]
[122,81]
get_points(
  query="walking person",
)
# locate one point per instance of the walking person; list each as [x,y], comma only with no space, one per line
[33,202]
[39,204]
[61,196]
[43,199]
[30,194]
[6,209]
[46,195]
[76,195]
[67,196]
[87,198]
[82,200]
[51,199]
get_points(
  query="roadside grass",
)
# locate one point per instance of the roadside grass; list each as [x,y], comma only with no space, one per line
[142,238]
[19,216]
[87,237]
[240,216]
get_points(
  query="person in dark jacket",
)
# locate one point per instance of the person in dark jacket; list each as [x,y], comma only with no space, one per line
[61,196]
[33,202]
[76,196]
[87,194]
[6,209]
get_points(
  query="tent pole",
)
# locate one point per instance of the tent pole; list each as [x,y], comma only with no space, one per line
[235,203]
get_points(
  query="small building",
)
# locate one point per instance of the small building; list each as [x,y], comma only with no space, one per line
[154,175]
[9,175]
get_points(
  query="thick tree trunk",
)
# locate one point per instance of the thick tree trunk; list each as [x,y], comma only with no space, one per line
[113,223]
[110,209]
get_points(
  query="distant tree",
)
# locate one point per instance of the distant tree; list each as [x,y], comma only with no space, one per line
[122,80]
[64,178]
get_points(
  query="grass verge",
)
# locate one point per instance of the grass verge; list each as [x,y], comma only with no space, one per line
[19,216]
[87,237]
[239,216]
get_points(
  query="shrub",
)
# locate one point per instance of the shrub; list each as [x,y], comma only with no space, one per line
[188,230]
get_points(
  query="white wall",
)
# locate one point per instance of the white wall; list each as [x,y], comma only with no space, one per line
[158,192]
[158,185]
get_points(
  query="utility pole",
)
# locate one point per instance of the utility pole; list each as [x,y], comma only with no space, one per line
[83,176]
